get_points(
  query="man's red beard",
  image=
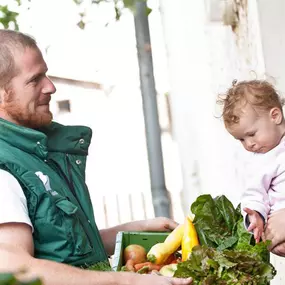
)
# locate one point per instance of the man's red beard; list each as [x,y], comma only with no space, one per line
[23,117]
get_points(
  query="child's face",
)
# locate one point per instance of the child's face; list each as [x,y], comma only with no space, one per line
[257,130]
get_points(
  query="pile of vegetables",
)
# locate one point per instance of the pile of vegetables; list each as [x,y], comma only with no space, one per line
[163,257]
[228,253]
[214,248]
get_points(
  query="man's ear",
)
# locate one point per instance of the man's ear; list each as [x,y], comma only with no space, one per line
[2,94]
[276,115]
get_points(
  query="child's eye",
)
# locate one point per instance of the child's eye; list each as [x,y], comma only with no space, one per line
[251,134]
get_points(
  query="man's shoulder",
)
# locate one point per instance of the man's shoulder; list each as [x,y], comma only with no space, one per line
[8,179]
[5,148]
[4,174]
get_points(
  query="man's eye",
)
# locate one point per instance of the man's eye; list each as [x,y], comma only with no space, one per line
[36,79]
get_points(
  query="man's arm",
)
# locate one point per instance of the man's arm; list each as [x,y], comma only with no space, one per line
[158,224]
[16,253]
[16,248]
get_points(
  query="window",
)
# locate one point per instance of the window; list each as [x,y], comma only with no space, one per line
[63,106]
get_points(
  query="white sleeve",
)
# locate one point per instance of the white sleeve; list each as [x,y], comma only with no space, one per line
[259,178]
[13,203]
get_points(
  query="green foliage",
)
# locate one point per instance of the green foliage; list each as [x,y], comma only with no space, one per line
[7,16]
[228,253]
[119,6]
[209,266]
[100,266]
[216,221]
[10,279]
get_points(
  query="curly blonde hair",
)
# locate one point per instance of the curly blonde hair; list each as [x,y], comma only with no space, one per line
[258,93]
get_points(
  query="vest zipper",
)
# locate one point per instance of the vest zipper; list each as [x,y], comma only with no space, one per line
[70,181]
[71,187]
[100,242]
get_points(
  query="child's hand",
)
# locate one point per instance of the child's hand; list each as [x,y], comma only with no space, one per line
[256,223]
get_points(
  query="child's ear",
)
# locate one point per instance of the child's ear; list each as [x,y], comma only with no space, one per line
[276,115]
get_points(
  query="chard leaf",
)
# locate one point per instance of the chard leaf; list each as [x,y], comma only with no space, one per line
[244,237]
[227,243]
[227,210]
[215,221]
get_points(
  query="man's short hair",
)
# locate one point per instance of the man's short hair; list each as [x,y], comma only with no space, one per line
[11,42]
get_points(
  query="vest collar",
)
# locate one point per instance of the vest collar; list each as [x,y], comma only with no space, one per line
[53,138]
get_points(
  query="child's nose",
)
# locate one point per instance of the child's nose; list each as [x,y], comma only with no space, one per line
[251,145]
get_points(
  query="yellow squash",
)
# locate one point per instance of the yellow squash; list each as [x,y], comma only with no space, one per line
[161,251]
[189,240]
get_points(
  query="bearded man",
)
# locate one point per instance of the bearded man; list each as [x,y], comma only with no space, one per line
[47,223]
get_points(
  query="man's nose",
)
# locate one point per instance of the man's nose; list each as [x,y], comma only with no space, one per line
[49,87]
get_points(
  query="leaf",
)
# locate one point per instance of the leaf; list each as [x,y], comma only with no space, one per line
[100,266]
[81,24]
[10,279]
[148,11]
[211,221]
[209,266]
[32,282]
[129,3]
[7,278]
[8,17]
[227,211]
[243,235]
[118,13]
[228,243]
[78,2]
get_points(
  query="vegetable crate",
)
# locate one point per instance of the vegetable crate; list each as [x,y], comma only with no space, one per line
[145,239]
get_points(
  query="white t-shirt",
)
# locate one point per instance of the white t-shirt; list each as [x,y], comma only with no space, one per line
[13,203]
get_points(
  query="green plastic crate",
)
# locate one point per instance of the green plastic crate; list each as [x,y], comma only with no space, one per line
[145,239]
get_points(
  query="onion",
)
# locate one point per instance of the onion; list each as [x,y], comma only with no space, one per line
[135,252]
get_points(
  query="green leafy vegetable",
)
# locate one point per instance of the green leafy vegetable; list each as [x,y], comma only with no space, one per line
[10,279]
[216,221]
[228,253]
[100,266]
[209,266]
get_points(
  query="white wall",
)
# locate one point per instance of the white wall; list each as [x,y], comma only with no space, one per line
[272,22]
[204,57]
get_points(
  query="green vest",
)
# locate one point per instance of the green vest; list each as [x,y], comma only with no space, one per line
[61,210]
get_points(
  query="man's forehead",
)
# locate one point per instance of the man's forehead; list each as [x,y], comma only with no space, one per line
[30,60]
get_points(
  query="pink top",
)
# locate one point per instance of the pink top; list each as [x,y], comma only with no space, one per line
[265,181]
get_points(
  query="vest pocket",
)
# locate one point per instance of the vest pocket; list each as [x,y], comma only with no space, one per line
[75,229]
